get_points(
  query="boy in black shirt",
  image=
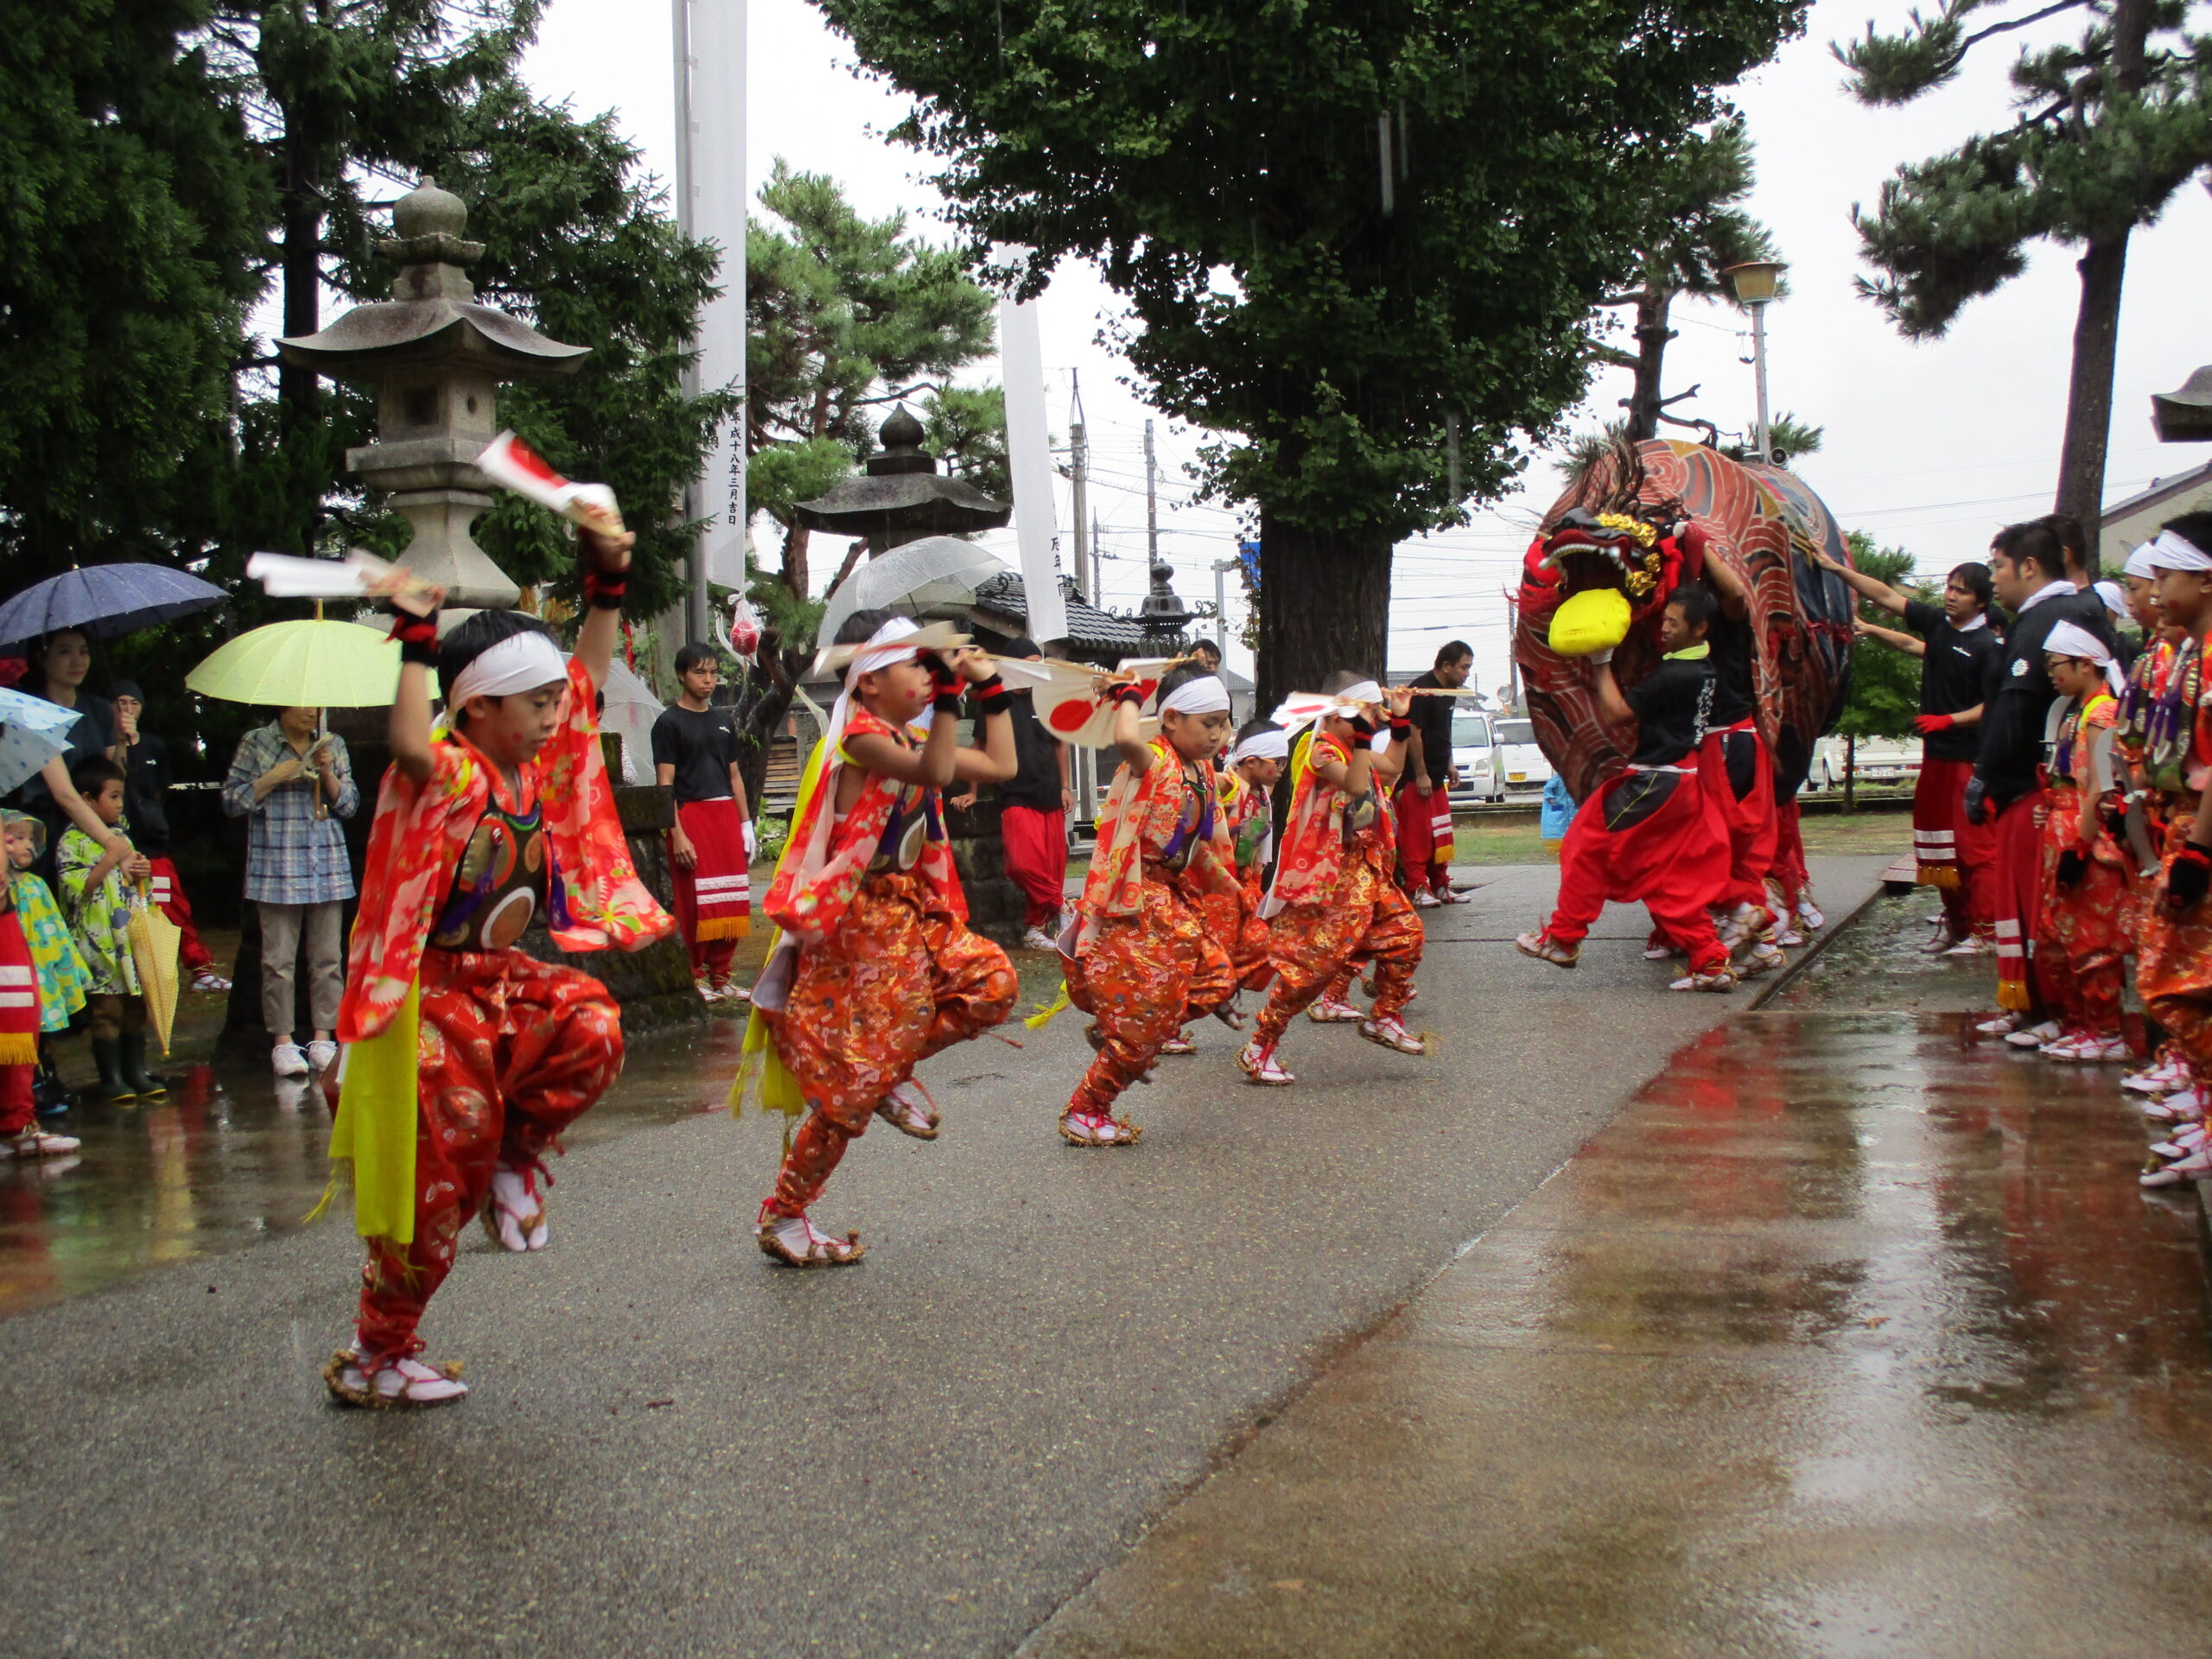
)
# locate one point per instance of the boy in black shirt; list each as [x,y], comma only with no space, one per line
[1656,834]
[1958,648]
[711,848]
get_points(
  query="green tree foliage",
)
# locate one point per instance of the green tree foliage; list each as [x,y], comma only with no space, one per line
[2106,130]
[844,311]
[1884,682]
[131,214]
[1695,227]
[1358,237]
[964,427]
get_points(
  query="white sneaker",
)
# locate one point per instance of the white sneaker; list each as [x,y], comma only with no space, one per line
[1038,939]
[289,1061]
[2036,1036]
[322,1054]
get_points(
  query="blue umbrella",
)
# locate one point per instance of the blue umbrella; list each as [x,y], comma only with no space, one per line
[31,733]
[105,600]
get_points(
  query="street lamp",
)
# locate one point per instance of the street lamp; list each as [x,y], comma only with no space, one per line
[1755,281]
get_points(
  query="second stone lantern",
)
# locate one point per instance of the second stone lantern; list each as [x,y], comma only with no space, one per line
[436,358]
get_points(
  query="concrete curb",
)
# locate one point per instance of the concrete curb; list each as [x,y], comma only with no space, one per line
[1773,987]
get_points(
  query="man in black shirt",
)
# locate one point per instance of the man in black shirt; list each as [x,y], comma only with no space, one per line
[1424,794]
[1653,835]
[1738,771]
[1033,808]
[1958,650]
[145,761]
[2027,567]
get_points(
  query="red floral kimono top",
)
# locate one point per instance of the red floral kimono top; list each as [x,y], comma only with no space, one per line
[1323,823]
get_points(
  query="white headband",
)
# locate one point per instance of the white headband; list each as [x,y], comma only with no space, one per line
[882,649]
[2072,639]
[1361,694]
[2139,564]
[1261,745]
[2173,552]
[2115,601]
[521,662]
[1205,695]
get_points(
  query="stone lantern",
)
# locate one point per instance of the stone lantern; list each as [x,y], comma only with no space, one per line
[1163,614]
[901,496]
[436,358]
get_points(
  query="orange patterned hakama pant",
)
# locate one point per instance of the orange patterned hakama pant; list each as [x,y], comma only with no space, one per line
[1142,978]
[2081,949]
[900,981]
[1367,918]
[2173,970]
[512,1051]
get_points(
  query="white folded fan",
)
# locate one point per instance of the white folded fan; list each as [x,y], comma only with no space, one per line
[513,465]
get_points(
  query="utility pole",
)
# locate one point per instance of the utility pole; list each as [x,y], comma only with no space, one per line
[1221,568]
[1150,499]
[1079,477]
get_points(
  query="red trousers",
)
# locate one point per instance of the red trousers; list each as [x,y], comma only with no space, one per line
[714,896]
[16,1102]
[166,889]
[1788,875]
[1142,978]
[1037,859]
[513,1050]
[1424,854]
[2081,948]
[1735,767]
[2016,900]
[1366,917]
[901,979]
[1956,857]
[1657,838]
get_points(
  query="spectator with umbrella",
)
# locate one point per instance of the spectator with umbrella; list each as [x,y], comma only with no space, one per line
[59,663]
[145,761]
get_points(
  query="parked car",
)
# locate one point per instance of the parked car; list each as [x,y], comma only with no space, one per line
[1521,765]
[1880,763]
[1474,751]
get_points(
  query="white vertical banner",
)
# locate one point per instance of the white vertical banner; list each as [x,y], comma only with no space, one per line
[1029,458]
[717,178]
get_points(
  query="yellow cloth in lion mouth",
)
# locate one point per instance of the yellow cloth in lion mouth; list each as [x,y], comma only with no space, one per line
[1594,619]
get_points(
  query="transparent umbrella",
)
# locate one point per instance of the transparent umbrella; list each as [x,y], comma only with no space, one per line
[937,573]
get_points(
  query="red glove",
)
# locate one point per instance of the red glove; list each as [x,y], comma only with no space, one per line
[1929,725]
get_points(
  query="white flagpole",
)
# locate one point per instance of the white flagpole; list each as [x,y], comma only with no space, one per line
[1029,457]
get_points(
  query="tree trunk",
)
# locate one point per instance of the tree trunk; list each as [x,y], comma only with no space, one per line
[1325,604]
[2088,398]
[797,576]
[1652,334]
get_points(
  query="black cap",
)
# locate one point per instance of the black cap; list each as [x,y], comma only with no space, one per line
[126,689]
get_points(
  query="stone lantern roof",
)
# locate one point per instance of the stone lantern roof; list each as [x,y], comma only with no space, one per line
[901,496]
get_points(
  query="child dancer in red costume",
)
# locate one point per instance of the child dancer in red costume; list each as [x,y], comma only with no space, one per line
[1336,896]
[1145,960]
[467,1059]
[1244,843]
[2078,936]
[876,969]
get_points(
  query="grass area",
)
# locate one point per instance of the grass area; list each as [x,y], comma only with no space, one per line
[1514,837]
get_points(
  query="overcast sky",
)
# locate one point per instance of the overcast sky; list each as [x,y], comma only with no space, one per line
[1929,446]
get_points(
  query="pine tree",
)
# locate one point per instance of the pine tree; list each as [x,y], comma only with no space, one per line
[1694,228]
[2106,129]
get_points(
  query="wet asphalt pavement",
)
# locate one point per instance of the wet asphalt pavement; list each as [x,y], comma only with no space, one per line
[1735,1351]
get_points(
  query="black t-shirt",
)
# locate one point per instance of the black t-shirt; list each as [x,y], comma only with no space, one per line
[1036,781]
[1667,703]
[1733,686]
[2020,692]
[146,781]
[89,735]
[1432,718]
[701,746]
[1953,676]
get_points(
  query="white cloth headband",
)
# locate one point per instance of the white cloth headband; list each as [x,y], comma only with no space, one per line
[2072,639]
[2173,552]
[882,649]
[521,662]
[1261,745]
[2139,564]
[1361,694]
[1205,695]
[2115,601]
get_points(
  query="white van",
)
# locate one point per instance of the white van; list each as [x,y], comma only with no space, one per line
[1474,751]
[1521,767]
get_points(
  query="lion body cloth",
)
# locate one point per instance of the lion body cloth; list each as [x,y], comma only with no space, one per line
[1642,520]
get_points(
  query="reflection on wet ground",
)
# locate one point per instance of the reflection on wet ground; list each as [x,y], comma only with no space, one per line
[1853,1334]
[232,1154]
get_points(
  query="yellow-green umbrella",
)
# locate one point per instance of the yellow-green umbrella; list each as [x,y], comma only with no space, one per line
[304,664]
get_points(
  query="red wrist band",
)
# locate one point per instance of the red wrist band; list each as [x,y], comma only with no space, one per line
[603,592]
